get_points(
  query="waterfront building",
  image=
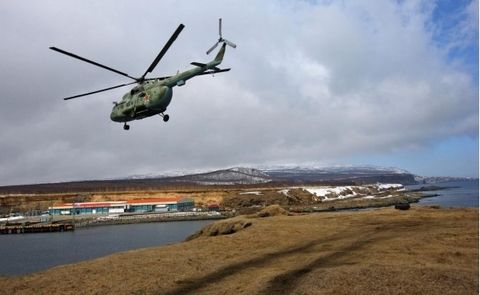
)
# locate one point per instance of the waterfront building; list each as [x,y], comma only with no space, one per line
[160,205]
[88,208]
[169,204]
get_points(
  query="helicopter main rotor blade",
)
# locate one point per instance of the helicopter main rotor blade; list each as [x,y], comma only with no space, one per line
[164,50]
[231,44]
[220,27]
[91,62]
[97,91]
[212,48]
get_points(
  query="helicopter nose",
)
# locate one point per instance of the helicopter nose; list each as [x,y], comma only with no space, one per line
[114,116]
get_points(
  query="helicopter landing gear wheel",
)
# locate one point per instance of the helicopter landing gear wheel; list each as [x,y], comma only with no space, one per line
[165,117]
[126,127]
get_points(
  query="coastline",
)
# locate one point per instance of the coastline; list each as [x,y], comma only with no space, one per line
[147,218]
[83,221]
[422,250]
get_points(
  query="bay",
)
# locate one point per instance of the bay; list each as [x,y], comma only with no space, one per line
[26,253]
[459,194]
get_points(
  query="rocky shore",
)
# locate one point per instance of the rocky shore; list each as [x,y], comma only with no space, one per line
[144,218]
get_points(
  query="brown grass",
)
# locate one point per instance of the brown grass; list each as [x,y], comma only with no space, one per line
[272,210]
[385,251]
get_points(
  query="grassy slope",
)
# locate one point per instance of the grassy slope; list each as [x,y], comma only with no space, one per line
[423,250]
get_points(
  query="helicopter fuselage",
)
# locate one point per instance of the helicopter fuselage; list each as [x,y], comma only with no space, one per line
[152,97]
[147,99]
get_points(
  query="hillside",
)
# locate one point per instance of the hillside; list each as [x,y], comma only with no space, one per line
[345,174]
[268,177]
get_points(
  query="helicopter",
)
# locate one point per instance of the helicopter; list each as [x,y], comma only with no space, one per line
[151,96]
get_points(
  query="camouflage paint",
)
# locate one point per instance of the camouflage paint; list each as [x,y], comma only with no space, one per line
[152,97]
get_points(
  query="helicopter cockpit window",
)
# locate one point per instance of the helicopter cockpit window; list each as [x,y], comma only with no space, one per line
[136,90]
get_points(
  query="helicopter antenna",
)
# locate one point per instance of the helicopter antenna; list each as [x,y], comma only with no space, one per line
[221,39]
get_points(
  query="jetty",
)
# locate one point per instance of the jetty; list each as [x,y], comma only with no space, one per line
[35,228]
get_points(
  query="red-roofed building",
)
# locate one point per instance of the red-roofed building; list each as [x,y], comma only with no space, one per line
[137,205]
[88,208]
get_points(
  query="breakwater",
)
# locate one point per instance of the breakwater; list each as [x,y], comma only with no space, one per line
[150,217]
[36,228]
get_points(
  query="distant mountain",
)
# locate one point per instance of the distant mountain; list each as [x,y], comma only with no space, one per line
[289,174]
[354,174]
[299,175]
[230,176]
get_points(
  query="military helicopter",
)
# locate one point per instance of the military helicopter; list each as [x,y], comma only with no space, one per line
[151,96]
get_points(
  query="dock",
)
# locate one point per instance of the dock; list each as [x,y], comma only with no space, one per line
[36,228]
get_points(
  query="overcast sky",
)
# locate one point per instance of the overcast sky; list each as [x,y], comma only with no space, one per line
[390,83]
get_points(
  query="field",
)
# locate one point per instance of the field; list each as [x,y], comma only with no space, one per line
[424,250]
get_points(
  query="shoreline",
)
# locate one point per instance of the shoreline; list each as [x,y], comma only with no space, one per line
[79,221]
[149,218]
[424,250]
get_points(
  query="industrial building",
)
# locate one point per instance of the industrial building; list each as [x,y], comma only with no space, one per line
[88,208]
[160,205]
[170,204]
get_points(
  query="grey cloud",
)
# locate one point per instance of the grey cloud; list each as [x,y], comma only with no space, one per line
[309,83]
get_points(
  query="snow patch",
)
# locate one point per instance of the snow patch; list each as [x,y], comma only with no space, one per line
[345,192]
[387,186]
[331,193]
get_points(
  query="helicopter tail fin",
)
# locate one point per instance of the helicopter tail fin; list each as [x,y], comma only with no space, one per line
[221,53]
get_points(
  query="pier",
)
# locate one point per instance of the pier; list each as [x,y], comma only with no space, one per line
[35,228]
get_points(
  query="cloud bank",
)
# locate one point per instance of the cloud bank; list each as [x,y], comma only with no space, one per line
[310,83]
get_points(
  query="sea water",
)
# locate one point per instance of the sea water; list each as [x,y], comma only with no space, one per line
[459,194]
[26,253]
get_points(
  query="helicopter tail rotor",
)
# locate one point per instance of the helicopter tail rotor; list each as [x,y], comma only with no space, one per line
[221,39]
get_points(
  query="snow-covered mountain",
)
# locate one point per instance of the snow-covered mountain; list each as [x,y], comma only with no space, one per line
[237,175]
[291,174]
[347,169]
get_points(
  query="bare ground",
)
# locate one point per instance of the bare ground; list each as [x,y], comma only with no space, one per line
[385,251]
